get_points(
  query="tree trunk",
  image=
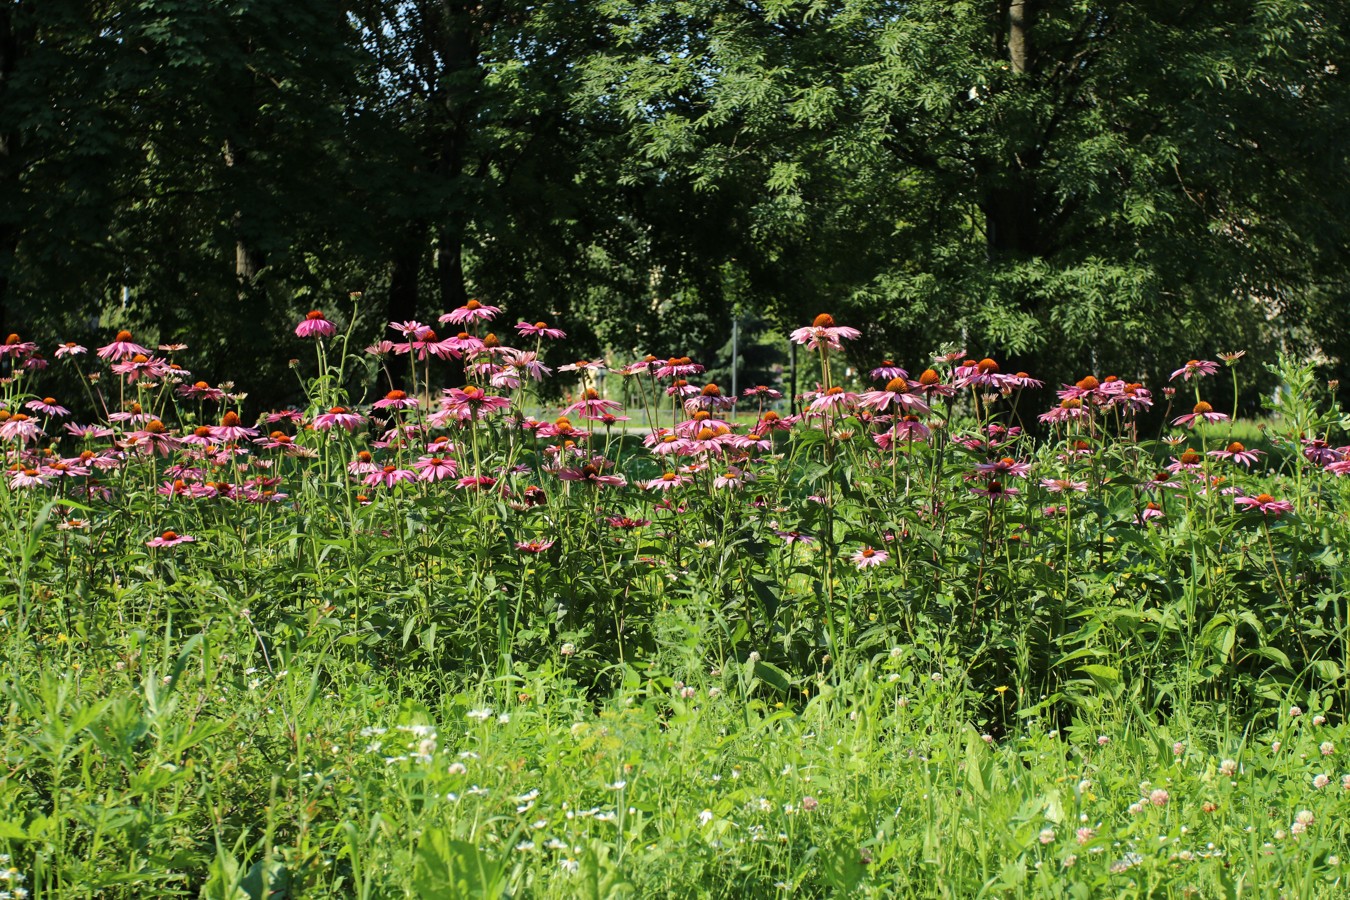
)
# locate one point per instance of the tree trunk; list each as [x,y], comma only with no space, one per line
[12,45]
[450,266]
[248,259]
[1020,16]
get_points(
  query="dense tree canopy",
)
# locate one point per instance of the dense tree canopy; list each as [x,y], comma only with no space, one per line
[1074,184]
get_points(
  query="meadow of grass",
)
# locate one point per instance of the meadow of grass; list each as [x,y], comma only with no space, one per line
[896,645]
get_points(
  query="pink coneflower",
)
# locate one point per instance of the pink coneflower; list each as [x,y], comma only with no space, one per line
[984,374]
[1067,411]
[1061,485]
[1265,504]
[995,491]
[476,483]
[122,347]
[69,348]
[48,406]
[314,325]
[709,398]
[681,388]
[623,523]
[1195,368]
[1237,453]
[795,537]
[535,546]
[17,347]
[280,440]
[583,365]
[388,476]
[1133,396]
[435,468]
[153,435]
[833,398]
[540,329]
[230,429]
[760,390]
[930,384]
[733,479]
[338,417]
[772,421]
[1151,512]
[396,400]
[141,367]
[824,333]
[468,403]
[888,371]
[1088,389]
[592,404]
[284,415]
[1023,381]
[709,440]
[1005,466]
[1316,451]
[897,394]
[66,468]
[364,464]
[591,473]
[678,367]
[20,427]
[25,477]
[868,557]
[1202,412]
[528,362]
[170,539]
[907,429]
[473,311]
[200,391]
[463,344]
[87,432]
[666,482]
[408,328]
[1189,460]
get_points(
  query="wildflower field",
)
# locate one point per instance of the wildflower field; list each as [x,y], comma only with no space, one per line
[939,632]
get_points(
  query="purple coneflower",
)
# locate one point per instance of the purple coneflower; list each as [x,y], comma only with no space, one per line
[313,325]
[170,539]
[540,329]
[832,398]
[1202,412]
[1005,466]
[388,476]
[70,348]
[888,371]
[1196,368]
[48,406]
[473,311]
[20,427]
[666,482]
[1237,453]
[435,468]
[24,477]
[592,404]
[1061,485]
[230,429]
[338,417]
[1265,504]
[122,347]
[471,402]
[533,546]
[396,400]
[868,557]
[824,333]
[896,393]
